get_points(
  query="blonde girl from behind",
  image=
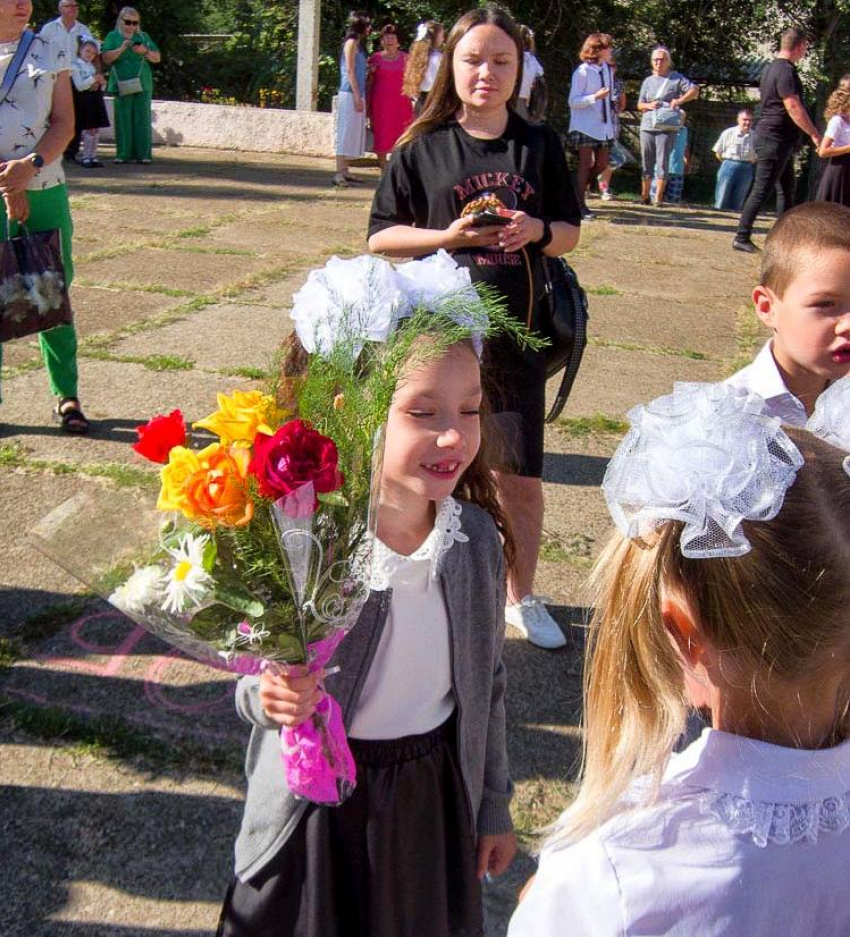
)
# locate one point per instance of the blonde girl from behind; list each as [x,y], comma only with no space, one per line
[725,588]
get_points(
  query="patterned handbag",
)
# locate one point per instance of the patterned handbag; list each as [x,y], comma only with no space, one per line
[33,289]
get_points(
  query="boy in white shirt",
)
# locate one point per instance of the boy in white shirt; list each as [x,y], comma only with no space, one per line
[804,296]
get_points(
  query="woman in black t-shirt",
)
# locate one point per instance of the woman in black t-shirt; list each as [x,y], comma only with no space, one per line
[469,144]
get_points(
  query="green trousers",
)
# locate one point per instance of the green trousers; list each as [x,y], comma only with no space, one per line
[133,126]
[49,209]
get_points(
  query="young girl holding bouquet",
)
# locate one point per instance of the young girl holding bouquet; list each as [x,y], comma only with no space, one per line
[421,684]
[726,589]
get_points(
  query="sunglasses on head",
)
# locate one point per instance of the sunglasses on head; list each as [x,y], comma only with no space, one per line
[131,22]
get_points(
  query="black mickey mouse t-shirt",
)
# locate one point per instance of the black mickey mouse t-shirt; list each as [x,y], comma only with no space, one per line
[430,180]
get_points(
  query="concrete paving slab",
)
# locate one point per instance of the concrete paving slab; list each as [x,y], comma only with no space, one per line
[117,398]
[621,379]
[691,327]
[99,311]
[253,334]
[193,273]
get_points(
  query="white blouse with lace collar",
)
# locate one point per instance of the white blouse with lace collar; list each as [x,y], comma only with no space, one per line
[745,839]
[408,690]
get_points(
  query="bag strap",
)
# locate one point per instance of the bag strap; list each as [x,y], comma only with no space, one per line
[14,66]
[659,95]
[579,342]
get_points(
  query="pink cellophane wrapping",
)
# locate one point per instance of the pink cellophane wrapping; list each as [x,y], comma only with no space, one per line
[318,763]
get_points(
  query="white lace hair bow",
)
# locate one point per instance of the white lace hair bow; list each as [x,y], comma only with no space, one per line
[364,298]
[831,419]
[705,455]
[421,32]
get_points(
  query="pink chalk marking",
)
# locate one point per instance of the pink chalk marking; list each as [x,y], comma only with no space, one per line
[155,689]
[117,655]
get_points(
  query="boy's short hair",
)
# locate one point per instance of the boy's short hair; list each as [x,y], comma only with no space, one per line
[814,226]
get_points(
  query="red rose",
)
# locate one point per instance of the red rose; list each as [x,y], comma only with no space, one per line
[159,436]
[295,456]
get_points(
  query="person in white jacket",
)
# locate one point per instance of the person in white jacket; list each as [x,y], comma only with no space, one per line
[591,112]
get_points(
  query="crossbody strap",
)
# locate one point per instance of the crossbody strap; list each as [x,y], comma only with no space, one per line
[14,66]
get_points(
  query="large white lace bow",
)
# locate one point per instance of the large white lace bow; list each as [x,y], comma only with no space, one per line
[704,455]
[349,302]
[831,419]
[438,281]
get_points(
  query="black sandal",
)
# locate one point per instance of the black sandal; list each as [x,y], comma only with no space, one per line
[70,416]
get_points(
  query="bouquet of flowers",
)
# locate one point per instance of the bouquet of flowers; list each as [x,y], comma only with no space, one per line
[258,552]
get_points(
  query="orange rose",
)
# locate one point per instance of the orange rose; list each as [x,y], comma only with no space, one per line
[209,486]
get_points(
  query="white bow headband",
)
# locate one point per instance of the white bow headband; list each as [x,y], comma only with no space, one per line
[364,298]
[421,32]
[711,457]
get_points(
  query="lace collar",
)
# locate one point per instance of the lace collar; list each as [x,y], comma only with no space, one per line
[767,793]
[446,531]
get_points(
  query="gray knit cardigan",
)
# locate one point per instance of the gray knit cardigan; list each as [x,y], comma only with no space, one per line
[472,575]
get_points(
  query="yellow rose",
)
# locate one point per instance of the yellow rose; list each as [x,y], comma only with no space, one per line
[241,416]
[209,486]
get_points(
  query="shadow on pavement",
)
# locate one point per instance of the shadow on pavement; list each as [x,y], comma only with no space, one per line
[154,845]
[574,469]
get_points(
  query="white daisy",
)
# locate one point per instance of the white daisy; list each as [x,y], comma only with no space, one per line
[143,589]
[188,583]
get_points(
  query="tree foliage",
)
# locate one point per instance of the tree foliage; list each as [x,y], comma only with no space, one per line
[710,40]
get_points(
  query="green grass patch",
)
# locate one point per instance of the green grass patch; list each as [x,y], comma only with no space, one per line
[226,251]
[536,803]
[46,622]
[254,374]
[34,364]
[12,455]
[113,738]
[151,362]
[664,350]
[576,550]
[121,286]
[10,651]
[201,231]
[603,290]
[749,335]
[596,425]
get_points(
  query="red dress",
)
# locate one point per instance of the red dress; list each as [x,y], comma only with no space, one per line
[390,110]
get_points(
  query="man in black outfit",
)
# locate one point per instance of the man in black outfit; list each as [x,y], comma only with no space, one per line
[777,134]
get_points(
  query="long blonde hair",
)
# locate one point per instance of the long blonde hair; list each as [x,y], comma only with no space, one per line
[779,610]
[417,58]
[443,100]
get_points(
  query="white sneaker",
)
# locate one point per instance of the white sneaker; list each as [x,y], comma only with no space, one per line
[607,196]
[535,623]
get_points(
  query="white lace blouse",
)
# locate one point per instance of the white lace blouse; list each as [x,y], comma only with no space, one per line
[408,690]
[747,839]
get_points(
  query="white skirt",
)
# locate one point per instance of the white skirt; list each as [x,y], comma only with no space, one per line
[350,127]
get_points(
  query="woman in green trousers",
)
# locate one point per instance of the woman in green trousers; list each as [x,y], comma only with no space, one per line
[36,124]
[131,53]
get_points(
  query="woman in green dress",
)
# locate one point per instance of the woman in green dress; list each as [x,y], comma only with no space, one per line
[131,53]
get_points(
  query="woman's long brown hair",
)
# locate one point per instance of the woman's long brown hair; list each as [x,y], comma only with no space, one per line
[443,101]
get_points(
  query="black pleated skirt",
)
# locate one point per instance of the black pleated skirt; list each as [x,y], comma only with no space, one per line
[835,182]
[91,110]
[397,859]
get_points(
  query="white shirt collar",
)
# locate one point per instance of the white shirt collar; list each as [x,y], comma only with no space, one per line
[446,531]
[731,764]
[763,377]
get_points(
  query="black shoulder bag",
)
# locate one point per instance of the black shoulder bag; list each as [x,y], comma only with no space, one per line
[562,318]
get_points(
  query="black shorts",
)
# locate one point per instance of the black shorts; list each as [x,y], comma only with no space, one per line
[515,382]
